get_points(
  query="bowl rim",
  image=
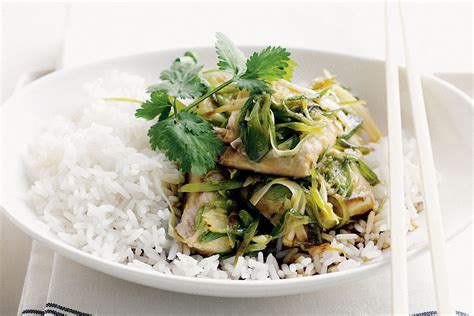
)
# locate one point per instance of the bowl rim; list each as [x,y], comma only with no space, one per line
[88,259]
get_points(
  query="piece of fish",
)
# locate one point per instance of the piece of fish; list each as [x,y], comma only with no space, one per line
[274,203]
[209,248]
[193,202]
[232,128]
[362,199]
[296,166]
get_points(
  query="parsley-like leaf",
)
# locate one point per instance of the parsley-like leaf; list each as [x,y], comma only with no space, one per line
[269,64]
[182,80]
[229,56]
[158,104]
[189,140]
[254,86]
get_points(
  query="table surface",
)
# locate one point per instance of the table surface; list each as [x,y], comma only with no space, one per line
[74,34]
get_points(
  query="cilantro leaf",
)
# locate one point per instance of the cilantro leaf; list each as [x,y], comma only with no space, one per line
[182,80]
[254,86]
[269,64]
[158,104]
[188,139]
[229,56]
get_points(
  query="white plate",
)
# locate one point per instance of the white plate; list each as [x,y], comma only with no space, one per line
[449,110]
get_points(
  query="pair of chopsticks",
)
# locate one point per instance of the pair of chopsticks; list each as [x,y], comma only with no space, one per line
[393,12]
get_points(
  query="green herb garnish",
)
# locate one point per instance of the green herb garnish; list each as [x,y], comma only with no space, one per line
[188,139]
[158,105]
[182,80]
[271,63]
[183,136]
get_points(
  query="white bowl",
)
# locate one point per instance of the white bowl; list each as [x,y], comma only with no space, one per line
[449,110]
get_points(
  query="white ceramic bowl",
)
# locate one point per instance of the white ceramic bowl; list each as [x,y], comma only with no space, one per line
[449,110]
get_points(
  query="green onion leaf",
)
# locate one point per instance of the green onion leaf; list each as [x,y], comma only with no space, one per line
[212,186]
[365,170]
[255,122]
[209,236]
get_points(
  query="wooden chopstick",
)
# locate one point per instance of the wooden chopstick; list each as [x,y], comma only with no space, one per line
[430,185]
[395,152]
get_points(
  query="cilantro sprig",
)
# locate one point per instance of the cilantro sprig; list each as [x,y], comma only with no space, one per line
[157,106]
[250,74]
[182,80]
[183,136]
[186,137]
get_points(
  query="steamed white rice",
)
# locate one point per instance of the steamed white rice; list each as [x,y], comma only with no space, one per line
[99,187]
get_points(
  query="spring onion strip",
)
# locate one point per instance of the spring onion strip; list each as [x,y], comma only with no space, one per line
[304,105]
[211,186]
[298,201]
[232,106]
[289,152]
[291,185]
[346,165]
[286,152]
[298,116]
[344,209]
[123,100]
[249,234]
[210,71]
[342,144]
[352,131]
[328,219]
[210,236]
[301,127]
[357,109]
[301,97]
[365,170]
[329,104]
[357,102]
